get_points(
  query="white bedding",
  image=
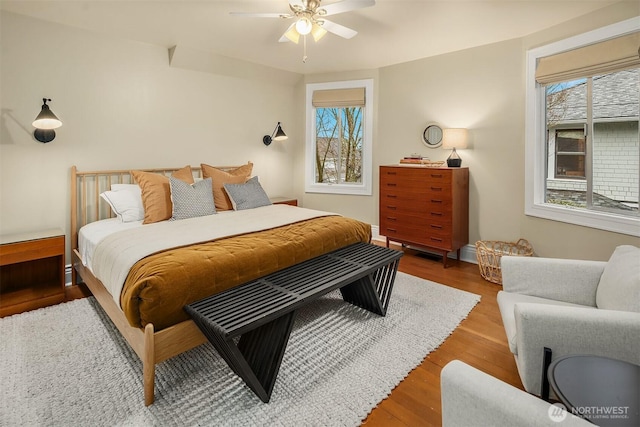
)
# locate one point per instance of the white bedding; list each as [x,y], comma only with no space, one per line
[110,250]
[93,233]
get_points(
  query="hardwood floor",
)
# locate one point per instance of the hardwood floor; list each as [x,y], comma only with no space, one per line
[479,341]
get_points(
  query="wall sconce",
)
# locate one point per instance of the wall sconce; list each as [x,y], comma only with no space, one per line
[45,124]
[277,135]
[454,138]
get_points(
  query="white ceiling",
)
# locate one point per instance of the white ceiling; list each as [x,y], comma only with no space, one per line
[391,32]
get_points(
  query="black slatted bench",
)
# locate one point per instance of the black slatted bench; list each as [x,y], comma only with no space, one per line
[261,312]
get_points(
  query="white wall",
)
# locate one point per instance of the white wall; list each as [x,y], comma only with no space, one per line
[123,106]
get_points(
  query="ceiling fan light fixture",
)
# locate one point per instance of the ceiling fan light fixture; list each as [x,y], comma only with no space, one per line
[292,34]
[317,32]
[304,26]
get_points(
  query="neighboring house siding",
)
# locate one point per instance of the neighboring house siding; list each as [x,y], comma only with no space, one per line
[616,145]
[615,139]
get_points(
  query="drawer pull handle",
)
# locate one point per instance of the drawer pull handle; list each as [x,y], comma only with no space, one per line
[436,213]
[393,208]
[438,227]
[392,196]
[433,175]
[391,218]
[436,188]
[391,173]
[436,201]
[435,239]
[391,229]
[391,184]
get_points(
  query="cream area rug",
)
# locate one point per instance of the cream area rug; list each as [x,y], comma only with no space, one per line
[67,365]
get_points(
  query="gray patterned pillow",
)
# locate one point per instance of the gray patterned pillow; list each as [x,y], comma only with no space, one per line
[191,200]
[248,195]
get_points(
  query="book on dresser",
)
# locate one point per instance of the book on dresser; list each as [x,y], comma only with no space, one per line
[426,208]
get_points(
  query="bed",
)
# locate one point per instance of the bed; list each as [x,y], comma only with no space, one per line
[172,263]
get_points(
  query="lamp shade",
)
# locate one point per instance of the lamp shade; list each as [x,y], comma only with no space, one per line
[277,135]
[454,138]
[317,32]
[280,135]
[46,119]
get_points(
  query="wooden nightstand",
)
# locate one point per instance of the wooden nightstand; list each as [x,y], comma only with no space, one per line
[284,201]
[31,271]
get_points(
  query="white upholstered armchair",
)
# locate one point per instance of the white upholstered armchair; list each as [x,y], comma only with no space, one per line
[472,398]
[571,307]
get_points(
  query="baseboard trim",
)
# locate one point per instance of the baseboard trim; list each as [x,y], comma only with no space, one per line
[67,275]
[467,252]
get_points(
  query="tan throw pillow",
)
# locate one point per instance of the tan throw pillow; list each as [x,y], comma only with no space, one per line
[156,192]
[219,177]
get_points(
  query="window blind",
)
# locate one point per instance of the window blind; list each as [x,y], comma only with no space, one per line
[608,56]
[353,97]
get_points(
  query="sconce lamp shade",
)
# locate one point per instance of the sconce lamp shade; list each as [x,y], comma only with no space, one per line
[452,139]
[45,123]
[277,135]
[46,119]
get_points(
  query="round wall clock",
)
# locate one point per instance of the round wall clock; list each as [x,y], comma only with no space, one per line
[432,136]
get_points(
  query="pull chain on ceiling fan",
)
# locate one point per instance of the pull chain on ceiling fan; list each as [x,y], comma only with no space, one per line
[310,19]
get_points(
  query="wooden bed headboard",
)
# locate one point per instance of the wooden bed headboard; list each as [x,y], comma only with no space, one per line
[87,205]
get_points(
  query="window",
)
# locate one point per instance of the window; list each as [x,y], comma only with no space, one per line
[338,145]
[339,133]
[582,136]
[570,153]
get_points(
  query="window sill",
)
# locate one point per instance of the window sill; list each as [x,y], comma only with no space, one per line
[357,190]
[586,218]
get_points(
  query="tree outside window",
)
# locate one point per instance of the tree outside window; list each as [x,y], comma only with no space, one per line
[338,145]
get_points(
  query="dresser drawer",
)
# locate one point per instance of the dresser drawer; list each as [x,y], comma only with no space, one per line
[393,218]
[417,234]
[416,187]
[415,203]
[414,175]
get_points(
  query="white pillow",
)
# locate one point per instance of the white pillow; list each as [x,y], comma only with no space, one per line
[125,201]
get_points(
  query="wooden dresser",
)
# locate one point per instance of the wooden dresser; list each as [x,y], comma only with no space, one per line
[425,207]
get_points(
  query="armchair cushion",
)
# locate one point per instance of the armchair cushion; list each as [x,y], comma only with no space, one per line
[619,286]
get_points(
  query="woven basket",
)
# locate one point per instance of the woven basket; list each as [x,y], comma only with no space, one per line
[489,254]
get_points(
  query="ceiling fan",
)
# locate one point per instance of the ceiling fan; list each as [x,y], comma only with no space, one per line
[310,18]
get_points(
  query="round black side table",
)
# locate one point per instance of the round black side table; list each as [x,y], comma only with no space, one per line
[602,390]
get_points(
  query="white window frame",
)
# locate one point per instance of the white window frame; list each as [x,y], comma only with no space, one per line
[364,188]
[535,149]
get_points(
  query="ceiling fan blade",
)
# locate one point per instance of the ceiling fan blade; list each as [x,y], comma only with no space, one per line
[338,29]
[261,15]
[290,35]
[296,4]
[346,6]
